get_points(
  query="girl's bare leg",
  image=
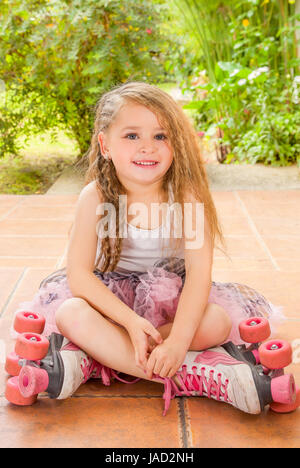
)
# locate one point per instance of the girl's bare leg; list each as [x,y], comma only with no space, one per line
[213,330]
[101,339]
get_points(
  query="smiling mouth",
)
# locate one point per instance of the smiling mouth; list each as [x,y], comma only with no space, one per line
[146,163]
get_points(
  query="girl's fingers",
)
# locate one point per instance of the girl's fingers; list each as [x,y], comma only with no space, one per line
[157,369]
[165,371]
[155,334]
[140,355]
[151,347]
[143,360]
[171,373]
[149,366]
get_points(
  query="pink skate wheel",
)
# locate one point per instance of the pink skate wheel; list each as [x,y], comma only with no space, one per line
[13,395]
[254,329]
[283,389]
[32,381]
[12,366]
[275,354]
[29,322]
[31,346]
[287,408]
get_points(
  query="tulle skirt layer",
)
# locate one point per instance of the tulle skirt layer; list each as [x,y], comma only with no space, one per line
[154,295]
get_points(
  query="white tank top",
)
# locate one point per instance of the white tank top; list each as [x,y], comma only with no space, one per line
[143,247]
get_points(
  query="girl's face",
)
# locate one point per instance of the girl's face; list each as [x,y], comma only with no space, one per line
[136,135]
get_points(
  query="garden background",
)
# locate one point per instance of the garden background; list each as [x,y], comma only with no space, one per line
[234,65]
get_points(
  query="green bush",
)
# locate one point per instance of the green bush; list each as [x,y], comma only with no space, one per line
[259,115]
[274,139]
[57,58]
[254,95]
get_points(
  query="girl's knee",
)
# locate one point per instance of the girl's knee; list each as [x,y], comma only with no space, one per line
[224,317]
[70,312]
[220,320]
[227,325]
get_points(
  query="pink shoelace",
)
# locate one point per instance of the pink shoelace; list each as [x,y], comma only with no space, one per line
[191,384]
[194,384]
[93,369]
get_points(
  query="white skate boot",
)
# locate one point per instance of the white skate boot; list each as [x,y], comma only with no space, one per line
[224,374]
[62,370]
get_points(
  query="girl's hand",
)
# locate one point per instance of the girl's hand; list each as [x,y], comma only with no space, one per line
[165,359]
[139,330]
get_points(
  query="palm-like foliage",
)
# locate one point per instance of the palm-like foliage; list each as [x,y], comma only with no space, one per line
[214,24]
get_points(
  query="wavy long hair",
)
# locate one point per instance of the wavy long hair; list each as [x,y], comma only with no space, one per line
[186,171]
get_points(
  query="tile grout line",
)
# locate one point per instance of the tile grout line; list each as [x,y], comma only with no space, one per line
[184,426]
[13,291]
[42,219]
[28,256]
[3,217]
[44,396]
[35,236]
[285,236]
[46,205]
[255,231]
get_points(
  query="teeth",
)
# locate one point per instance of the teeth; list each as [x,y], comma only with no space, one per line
[146,163]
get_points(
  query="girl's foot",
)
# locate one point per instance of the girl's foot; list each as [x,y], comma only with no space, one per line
[216,374]
[62,371]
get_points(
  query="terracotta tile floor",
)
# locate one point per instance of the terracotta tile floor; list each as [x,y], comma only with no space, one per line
[262,232]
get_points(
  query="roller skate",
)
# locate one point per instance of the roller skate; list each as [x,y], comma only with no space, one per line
[47,364]
[271,356]
[223,374]
[25,321]
[254,331]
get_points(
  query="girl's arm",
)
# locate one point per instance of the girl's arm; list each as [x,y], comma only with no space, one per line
[81,257]
[166,358]
[83,283]
[195,292]
[194,297]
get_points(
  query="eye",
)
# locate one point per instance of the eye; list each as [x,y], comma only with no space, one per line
[163,135]
[159,135]
[130,134]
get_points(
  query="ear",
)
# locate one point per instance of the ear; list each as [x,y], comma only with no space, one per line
[102,143]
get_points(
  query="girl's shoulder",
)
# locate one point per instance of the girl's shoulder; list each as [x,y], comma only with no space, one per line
[88,203]
[91,192]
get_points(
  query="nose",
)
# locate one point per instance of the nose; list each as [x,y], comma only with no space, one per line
[147,145]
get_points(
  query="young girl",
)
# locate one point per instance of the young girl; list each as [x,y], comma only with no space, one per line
[133,299]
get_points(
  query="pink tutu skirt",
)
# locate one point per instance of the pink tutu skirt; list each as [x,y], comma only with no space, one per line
[154,295]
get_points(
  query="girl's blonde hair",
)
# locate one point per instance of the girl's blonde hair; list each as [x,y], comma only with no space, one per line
[186,171]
